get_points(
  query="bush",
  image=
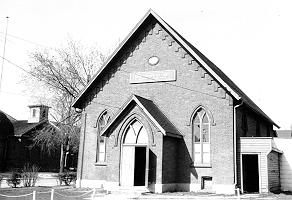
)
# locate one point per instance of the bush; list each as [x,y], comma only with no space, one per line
[67,177]
[14,179]
[29,175]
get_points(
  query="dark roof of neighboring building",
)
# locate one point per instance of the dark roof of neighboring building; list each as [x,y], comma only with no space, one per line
[22,127]
[284,133]
[152,111]
[12,119]
[214,71]
[6,127]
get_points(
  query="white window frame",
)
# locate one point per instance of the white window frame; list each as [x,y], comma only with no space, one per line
[201,143]
[105,117]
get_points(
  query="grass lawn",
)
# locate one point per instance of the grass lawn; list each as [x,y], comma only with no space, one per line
[44,193]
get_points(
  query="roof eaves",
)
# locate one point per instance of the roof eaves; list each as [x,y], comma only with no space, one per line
[150,11]
[112,56]
[149,115]
[197,57]
[185,45]
[32,127]
[260,112]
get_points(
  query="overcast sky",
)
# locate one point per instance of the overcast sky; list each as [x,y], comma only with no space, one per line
[251,41]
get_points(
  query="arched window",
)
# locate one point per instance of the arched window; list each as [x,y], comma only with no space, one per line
[101,144]
[135,134]
[201,137]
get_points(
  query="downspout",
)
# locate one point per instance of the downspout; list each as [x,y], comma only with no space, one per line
[234,142]
[82,150]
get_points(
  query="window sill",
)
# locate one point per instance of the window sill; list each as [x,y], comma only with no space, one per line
[201,165]
[100,164]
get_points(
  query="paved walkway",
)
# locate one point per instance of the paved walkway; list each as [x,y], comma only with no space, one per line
[195,197]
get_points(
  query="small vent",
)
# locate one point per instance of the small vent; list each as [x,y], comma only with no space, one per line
[154,60]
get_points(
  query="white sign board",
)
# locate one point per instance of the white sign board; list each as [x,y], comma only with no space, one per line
[153,76]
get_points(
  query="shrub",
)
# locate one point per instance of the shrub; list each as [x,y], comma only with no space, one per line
[29,175]
[67,177]
[14,179]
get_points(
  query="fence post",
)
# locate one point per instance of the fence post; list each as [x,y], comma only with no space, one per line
[52,194]
[33,195]
[93,193]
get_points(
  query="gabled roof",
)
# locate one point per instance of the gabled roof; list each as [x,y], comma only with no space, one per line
[211,68]
[22,127]
[151,111]
[284,133]
[12,119]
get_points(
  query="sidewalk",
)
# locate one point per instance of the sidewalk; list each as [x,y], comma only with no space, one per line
[195,197]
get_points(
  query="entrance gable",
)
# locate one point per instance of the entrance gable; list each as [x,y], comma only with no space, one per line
[151,112]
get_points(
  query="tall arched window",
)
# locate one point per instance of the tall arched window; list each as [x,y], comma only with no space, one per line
[101,144]
[201,137]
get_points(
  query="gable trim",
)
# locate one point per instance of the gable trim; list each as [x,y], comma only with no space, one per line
[176,36]
[144,110]
[225,83]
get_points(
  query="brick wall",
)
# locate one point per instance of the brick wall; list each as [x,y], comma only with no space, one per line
[177,100]
[169,160]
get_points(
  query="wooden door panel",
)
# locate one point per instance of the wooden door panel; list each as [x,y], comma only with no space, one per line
[127,166]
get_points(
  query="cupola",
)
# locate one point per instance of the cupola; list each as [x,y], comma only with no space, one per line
[38,113]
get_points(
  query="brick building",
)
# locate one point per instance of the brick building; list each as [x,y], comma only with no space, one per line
[160,114]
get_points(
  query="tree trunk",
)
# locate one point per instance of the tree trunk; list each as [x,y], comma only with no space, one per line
[62,159]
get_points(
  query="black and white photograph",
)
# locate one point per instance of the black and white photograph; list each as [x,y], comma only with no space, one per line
[145,99]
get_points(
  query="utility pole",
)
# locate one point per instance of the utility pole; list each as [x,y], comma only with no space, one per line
[3,55]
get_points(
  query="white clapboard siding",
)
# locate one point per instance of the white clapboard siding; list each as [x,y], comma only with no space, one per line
[261,146]
[255,144]
[285,145]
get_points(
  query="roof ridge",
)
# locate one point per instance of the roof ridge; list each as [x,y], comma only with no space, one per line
[209,66]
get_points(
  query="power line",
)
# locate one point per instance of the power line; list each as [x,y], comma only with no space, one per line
[3,55]
[17,66]
[185,88]
[35,77]
[26,40]
[23,95]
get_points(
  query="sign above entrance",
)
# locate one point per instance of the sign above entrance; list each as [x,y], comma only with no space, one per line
[153,76]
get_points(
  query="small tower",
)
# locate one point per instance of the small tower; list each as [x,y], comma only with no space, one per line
[38,113]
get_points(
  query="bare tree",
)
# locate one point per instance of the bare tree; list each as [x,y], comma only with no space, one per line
[64,72]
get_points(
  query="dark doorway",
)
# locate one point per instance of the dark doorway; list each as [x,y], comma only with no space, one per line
[250,171]
[140,164]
